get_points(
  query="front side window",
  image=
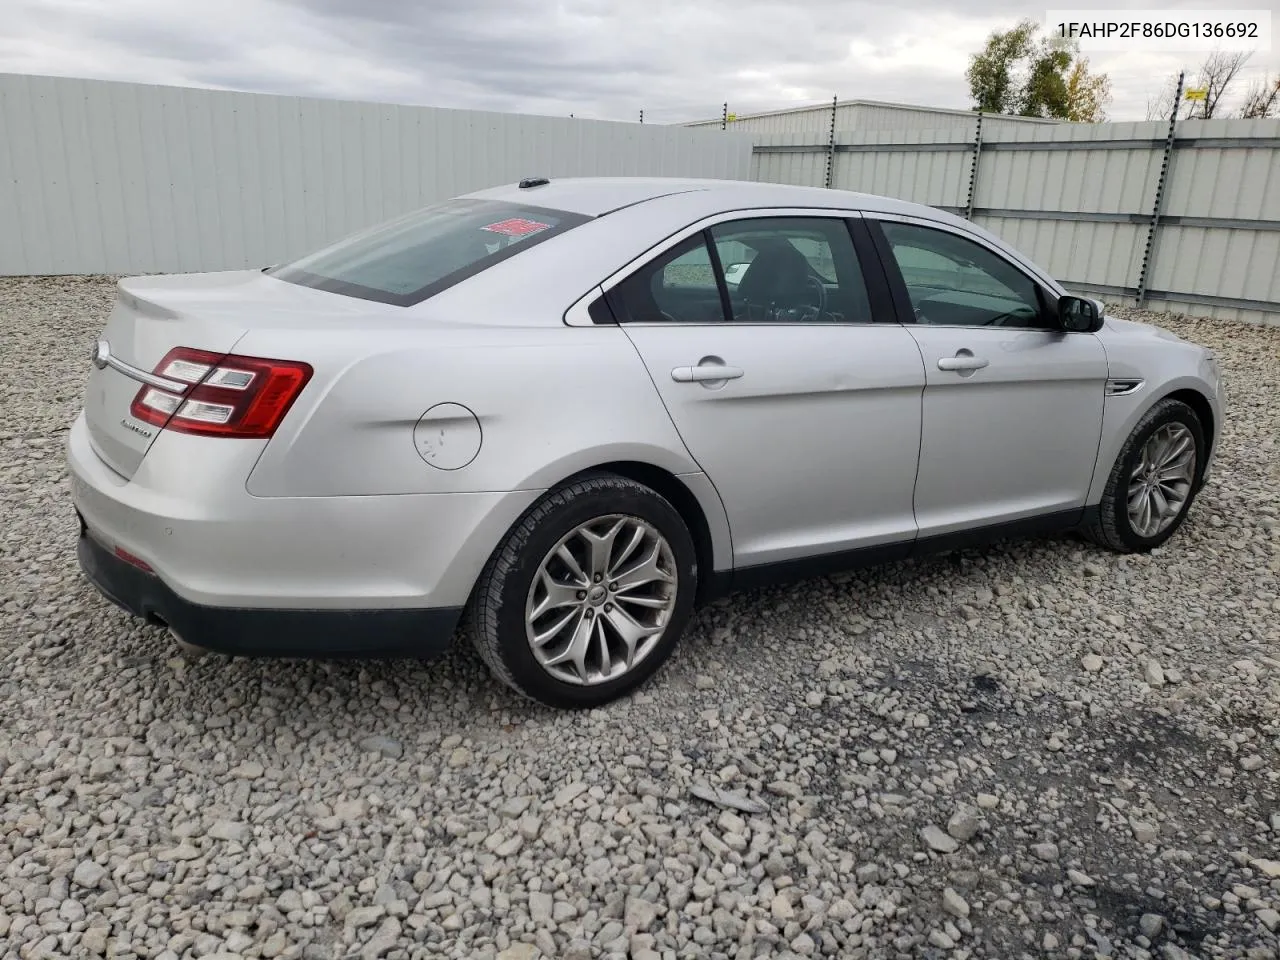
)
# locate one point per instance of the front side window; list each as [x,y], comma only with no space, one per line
[953,281]
[411,258]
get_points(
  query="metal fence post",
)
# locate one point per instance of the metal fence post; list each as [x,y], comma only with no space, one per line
[1148,256]
[831,145]
[973,172]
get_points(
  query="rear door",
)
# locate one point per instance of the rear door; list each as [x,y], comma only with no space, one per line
[796,398]
[1013,404]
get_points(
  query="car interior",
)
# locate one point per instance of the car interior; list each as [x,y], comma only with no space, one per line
[952,282]
[780,284]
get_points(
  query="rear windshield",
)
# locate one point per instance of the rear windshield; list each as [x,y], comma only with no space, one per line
[409,259]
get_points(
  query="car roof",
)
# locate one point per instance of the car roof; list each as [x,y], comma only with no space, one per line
[596,196]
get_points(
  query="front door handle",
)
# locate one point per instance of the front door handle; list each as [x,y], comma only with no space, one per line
[963,361]
[705,373]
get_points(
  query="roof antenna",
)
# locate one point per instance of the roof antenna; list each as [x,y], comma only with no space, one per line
[528,182]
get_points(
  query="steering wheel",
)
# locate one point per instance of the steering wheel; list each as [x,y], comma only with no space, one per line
[819,308]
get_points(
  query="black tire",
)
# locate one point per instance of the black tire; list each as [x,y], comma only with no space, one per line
[1109,526]
[496,618]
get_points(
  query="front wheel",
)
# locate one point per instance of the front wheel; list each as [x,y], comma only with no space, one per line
[588,594]
[1154,480]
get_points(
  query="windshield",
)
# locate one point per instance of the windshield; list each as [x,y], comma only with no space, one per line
[411,258]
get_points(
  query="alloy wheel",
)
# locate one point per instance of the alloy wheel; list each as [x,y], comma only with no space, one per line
[1162,479]
[601,599]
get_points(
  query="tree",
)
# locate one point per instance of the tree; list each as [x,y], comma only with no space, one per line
[1262,100]
[1215,76]
[1162,105]
[1019,73]
[990,73]
[1087,93]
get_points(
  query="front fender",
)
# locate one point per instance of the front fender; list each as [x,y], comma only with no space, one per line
[1121,414]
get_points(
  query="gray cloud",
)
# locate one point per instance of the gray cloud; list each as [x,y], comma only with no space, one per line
[674,59]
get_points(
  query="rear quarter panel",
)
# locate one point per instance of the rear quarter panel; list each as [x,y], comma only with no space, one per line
[550,402]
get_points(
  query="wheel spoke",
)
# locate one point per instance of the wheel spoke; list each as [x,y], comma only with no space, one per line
[1160,504]
[630,631]
[651,603]
[543,637]
[575,652]
[1145,517]
[570,561]
[557,595]
[637,538]
[645,571]
[1175,448]
[1156,449]
[601,546]
[1140,467]
[1176,495]
[606,664]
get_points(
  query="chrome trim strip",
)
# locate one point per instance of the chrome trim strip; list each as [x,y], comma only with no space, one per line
[103,357]
[1121,386]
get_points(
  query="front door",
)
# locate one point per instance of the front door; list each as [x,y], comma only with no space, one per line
[801,407]
[1012,404]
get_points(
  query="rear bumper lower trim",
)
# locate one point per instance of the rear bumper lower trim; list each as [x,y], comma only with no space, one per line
[420,634]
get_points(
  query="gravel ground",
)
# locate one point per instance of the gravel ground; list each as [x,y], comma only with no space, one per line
[1034,750]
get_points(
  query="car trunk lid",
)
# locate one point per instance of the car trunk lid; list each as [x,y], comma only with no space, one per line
[151,316]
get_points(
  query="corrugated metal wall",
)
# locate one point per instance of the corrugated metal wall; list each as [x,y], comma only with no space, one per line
[1078,199]
[884,116]
[864,115]
[103,177]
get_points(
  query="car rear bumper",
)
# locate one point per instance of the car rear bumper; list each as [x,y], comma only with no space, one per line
[263,632]
[187,515]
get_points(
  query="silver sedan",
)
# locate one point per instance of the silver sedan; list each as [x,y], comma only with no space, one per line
[562,413]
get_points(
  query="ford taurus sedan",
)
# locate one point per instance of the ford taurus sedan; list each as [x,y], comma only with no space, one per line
[542,412]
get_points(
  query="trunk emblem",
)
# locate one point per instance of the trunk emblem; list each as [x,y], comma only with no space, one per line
[101,354]
[136,427]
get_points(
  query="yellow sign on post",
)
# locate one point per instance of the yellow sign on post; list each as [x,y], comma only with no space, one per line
[1197,93]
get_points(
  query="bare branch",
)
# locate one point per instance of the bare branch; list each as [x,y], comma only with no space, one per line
[1216,75]
[1262,100]
[1162,105]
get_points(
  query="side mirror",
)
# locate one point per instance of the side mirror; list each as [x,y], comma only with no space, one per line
[1079,315]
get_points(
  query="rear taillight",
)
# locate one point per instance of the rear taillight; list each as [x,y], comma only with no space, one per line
[226,396]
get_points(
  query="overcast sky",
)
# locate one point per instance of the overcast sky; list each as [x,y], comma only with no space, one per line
[675,59]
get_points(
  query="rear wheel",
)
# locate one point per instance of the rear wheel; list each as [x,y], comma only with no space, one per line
[1154,481]
[588,595]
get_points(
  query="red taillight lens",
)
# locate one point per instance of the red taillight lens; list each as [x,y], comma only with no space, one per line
[227,396]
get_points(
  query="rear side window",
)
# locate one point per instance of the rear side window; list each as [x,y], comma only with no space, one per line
[416,256]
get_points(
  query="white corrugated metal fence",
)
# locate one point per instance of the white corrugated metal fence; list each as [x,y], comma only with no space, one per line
[104,177]
[1079,199]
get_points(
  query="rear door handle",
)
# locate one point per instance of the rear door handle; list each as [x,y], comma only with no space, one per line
[705,372]
[962,363]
